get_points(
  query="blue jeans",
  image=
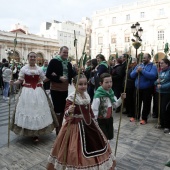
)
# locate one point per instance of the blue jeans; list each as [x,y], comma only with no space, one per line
[6,89]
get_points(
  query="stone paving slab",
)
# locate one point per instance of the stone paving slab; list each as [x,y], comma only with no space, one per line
[148,151]
[141,147]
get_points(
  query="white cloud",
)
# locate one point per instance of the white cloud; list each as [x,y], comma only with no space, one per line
[33,12]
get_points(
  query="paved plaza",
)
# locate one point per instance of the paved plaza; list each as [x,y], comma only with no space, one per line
[141,147]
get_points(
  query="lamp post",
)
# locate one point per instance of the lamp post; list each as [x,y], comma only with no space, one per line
[9,52]
[137,33]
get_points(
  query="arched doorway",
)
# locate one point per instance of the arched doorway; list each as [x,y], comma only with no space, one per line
[40,59]
[14,56]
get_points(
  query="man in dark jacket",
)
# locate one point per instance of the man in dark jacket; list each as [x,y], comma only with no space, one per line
[145,75]
[60,73]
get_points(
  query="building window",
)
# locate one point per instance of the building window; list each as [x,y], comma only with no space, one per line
[113,20]
[161,11]
[161,35]
[113,39]
[128,17]
[100,22]
[100,40]
[142,15]
[127,38]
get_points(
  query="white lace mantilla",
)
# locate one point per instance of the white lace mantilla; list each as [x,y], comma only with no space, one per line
[79,100]
[105,165]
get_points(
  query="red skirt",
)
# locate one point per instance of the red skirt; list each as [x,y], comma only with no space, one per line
[87,148]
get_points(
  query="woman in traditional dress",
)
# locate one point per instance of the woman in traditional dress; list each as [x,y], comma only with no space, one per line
[80,143]
[33,114]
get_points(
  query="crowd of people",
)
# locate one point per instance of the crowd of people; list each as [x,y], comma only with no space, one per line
[8,71]
[83,120]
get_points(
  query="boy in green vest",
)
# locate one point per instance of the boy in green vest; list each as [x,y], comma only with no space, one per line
[103,103]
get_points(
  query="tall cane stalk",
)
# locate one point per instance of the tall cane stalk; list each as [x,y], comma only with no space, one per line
[159,109]
[137,111]
[75,45]
[9,103]
[159,100]
[117,139]
[68,128]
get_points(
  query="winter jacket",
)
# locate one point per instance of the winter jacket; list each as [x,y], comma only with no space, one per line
[56,67]
[147,76]
[6,74]
[130,81]
[117,73]
[164,76]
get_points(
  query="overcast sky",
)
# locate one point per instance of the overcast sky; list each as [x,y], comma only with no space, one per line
[33,12]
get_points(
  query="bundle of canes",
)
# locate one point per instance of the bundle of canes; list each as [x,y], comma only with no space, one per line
[117,139]
[68,127]
[9,103]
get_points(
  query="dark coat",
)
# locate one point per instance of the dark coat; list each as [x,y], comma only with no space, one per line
[100,70]
[56,67]
[130,80]
[117,73]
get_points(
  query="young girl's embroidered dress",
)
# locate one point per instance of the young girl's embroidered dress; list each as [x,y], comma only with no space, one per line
[33,114]
[87,148]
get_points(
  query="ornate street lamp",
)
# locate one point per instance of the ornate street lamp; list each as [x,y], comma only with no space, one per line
[137,33]
[9,52]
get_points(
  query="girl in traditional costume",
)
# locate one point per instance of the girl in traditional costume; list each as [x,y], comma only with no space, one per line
[33,114]
[80,143]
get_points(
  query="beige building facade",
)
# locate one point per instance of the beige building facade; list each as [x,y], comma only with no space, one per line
[45,48]
[111,28]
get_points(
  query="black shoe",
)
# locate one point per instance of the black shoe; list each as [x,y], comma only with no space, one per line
[128,115]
